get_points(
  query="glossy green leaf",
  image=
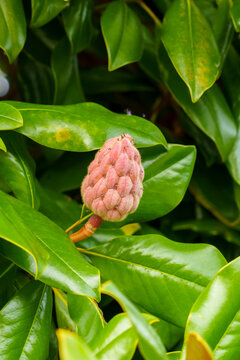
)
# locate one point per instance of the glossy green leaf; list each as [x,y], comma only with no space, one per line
[122,34]
[174,355]
[68,88]
[191,46]
[166,179]
[211,113]
[74,127]
[43,249]
[17,168]
[216,314]
[213,188]
[223,29]
[12,28]
[72,347]
[166,277]
[87,316]
[210,227]
[78,24]
[64,320]
[10,117]
[98,80]
[117,340]
[44,11]
[2,145]
[25,323]
[169,333]
[231,81]
[235,14]
[150,343]
[35,79]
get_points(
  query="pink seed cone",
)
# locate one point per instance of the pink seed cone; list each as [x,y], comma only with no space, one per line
[113,186]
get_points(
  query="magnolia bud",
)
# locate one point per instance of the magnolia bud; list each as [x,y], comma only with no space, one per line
[113,186]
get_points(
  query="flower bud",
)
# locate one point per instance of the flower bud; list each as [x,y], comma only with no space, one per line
[113,186]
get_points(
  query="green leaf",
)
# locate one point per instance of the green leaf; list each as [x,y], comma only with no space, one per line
[87,316]
[235,14]
[17,168]
[169,333]
[25,323]
[43,249]
[213,188]
[2,145]
[174,355]
[150,343]
[72,347]
[122,34]
[74,127]
[210,227]
[68,172]
[7,275]
[43,11]
[64,320]
[231,81]
[165,182]
[191,46]
[78,24]
[211,113]
[13,28]
[98,80]
[10,117]
[117,340]
[216,314]
[35,80]
[223,29]
[166,277]
[68,88]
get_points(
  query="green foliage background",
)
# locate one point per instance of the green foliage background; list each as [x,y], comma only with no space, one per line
[164,283]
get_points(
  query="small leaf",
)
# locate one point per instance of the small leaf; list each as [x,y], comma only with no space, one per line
[26,321]
[10,117]
[68,88]
[43,11]
[78,24]
[17,168]
[211,113]
[117,340]
[166,277]
[72,347]
[13,28]
[150,343]
[122,33]
[74,127]
[43,249]
[191,46]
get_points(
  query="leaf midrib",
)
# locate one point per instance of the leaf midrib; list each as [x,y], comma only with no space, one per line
[138,265]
